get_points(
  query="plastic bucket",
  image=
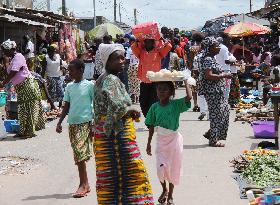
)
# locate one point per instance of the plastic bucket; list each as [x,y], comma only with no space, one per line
[8,125]
[15,127]
[264,129]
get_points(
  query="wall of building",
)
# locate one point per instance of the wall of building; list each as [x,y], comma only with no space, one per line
[87,24]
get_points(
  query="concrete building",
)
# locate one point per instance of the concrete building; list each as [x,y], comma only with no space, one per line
[86,23]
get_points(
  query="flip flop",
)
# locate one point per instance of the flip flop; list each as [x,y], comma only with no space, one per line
[217,144]
[170,202]
[81,195]
[162,199]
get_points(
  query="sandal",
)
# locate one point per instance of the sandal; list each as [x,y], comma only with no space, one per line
[81,194]
[217,144]
[170,202]
[201,117]
[196,109]
[162,199]
[207,135]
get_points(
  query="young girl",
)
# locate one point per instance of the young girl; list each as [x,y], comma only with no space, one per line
[163,117]
[78,105]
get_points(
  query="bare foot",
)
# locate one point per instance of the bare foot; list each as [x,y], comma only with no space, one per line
[82,191]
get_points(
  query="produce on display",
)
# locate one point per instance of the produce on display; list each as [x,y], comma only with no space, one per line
[259,167]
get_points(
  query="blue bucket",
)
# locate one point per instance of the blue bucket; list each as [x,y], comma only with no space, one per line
[8,125]
[15,127]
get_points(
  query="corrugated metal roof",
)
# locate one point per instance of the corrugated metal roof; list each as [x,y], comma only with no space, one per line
[11,18]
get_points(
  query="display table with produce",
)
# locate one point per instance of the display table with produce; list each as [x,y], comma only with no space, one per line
[257,171]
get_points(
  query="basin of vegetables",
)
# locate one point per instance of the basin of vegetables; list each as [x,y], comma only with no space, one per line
[259,167]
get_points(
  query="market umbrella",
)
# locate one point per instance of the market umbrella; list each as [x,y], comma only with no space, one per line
[244,29]
[104,29]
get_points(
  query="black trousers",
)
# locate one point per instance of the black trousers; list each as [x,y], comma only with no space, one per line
[123,76]
[148,96]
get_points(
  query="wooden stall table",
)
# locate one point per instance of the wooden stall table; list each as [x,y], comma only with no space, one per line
[275,98]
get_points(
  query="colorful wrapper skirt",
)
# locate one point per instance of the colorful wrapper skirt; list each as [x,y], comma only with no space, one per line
[234,95]
[55,88]
[133,81]
[81,142]
[122,178]
[30,110]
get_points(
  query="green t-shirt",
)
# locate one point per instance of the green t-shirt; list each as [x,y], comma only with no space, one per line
[167,116]
[80,97]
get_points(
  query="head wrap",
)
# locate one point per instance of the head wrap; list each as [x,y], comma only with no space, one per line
[107,49]
[8,45]
[207,43]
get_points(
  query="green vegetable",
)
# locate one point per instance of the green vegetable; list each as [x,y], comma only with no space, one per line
[263,171]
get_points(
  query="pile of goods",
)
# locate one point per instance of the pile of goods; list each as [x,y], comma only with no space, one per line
[250,112]
[52,115]
[259,169]
[167,75]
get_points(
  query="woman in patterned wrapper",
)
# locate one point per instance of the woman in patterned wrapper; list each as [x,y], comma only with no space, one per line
[30,111]
[121,175]
[212,85]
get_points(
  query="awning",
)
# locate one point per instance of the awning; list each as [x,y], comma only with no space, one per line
[12,19]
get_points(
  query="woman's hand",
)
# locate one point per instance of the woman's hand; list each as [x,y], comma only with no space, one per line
[92,131]
[59,128]
[227,75]
[149,149]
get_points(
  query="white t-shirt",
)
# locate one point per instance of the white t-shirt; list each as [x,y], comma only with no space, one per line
[89,71]
[222,57]
[53,66]
[131,57]
[29,46]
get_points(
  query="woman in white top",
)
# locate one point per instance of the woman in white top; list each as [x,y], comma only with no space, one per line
[234,94]
[53,74]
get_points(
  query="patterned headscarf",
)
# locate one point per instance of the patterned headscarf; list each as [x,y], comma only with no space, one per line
[207,43]
[8,45]
[107,49]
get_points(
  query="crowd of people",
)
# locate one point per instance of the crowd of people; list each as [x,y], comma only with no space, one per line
[99,107]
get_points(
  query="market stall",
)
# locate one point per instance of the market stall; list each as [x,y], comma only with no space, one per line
[257,174]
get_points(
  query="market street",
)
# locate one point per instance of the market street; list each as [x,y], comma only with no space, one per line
[207,172]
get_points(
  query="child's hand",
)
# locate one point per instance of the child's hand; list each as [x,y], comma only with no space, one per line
[59,128]
[149,150]
[92,132]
